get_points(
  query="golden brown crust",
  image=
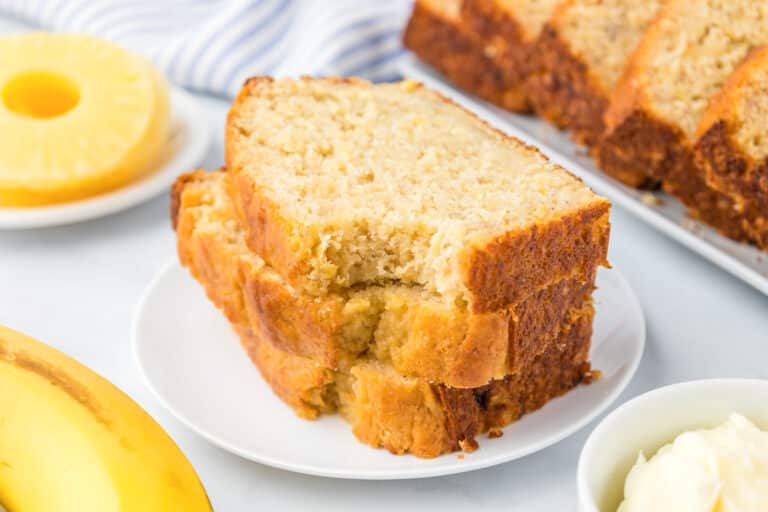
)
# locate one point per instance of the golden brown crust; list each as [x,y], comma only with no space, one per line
[642,144]
[503,41]
[400,415]
[731,168]
[626,124]
[571,245]
[539,319]
[616,152]
[550,374]
[294,323]
[307,388]
[449,346]
[268,233]
[463,352]
[722,105]
[563,91]
[460,56]
[177,188]
[247,294]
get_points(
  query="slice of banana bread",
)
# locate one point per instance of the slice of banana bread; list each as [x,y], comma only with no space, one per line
[732,144]
[684,58]
[435,33]
[409,415]
[580,56]
[341,183]
[414,331]
[507,31]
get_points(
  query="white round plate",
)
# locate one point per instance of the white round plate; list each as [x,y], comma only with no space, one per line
[187,145]
[193,362]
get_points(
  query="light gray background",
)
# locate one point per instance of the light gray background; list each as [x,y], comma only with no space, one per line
[76,288]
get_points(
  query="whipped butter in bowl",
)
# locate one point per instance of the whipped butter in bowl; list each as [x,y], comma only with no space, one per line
[714,470]
[698,446]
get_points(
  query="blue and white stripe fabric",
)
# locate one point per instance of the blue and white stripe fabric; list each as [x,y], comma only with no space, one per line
[213,45]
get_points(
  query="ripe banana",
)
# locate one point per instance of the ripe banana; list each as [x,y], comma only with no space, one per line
[71,441]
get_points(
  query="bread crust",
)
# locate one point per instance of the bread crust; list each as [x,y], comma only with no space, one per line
[728,166]
[572,245]
[642,142]
[412,415]
[731,168]
[652,144]
[304,386]
[459,348]
[459,55]
[504,41]
[563,91]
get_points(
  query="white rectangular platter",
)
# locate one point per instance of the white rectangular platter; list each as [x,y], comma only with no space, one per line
[660,210]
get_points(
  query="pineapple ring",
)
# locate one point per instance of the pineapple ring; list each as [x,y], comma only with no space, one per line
[78,116]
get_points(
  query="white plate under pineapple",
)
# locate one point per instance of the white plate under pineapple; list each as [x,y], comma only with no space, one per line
[193,362]
[661,211]
[187,145]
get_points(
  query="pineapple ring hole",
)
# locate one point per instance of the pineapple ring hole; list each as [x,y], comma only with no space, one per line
[40,94]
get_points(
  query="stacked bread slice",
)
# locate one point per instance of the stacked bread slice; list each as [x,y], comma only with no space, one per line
[388,256]
[633,81]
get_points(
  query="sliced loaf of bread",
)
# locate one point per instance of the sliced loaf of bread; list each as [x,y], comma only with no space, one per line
[580,56]
[340,183]
[403,326]
[684,58]
[733,145]
[437,35]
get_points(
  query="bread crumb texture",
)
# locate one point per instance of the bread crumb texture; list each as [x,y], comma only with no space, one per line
[602,33]
[386,183]
[692,49]
[530,14]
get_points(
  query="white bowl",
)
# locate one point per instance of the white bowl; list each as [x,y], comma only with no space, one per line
[654,419]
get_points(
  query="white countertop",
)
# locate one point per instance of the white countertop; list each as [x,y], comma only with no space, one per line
[76,288]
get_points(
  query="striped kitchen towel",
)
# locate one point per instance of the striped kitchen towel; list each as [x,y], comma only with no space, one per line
[213,45]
